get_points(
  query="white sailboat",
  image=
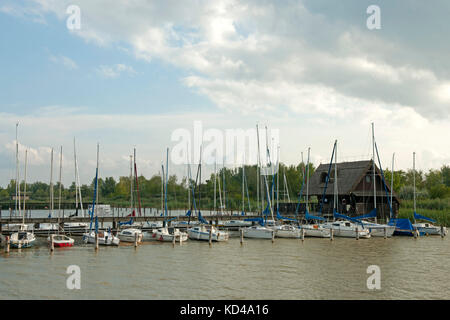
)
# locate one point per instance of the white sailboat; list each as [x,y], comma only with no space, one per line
[103,237]
[22,238]
[312,230]
[76,227]
[261,231]
[202,232]
[131,235]
[344,228]
[376,229]
[165,233]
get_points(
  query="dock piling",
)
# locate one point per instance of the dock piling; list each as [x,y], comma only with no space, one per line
[52,244]
[241,233]
[96,241]
[7,244]
[357,233]
[331,234]
[385,232]
[210,236]
[303,234]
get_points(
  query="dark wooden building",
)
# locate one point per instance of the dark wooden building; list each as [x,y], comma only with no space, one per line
[355,189]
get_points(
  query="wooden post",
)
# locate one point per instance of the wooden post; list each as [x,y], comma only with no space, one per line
[385,232]
[415,233]
[96,241]
[173,239]
[210,236]
[331,234]
[357,233]
[303,234]
[135,240]
[273,236]
[7,244]
[241,231]
[52,244]
[442,232]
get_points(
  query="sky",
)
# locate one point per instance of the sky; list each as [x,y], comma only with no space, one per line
[135,72]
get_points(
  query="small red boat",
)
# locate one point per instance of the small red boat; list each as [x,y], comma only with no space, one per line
[60,240]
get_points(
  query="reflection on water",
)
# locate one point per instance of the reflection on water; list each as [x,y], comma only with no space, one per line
[286,269]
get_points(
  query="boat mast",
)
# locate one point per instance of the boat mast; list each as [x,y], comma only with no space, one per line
[17,174]
[392,184]
[258,163]
[51,185]
[96,193]
[336,197]
[188,173]
[137,183]
[60,186]
[278,179]
[131,184]
[167,174]
[374,180]
[414,183]
[223,178]
[77,181]
[243,186]
[25,188]
[215,184]
[307,179]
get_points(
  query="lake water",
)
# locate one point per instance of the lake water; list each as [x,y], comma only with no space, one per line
[259,269]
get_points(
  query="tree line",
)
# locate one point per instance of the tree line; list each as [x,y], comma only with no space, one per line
[434,184]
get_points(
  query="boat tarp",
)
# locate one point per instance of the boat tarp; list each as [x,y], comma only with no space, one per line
[311,217]
[280,217]
[371,214]
[201,219]
[401,224]
[188,214]
[259,220]
[130,222]
[342,216]
[420,217]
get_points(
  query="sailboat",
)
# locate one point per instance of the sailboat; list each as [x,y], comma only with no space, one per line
[76,227]
[426,228]
[104,237]
[49,228]
[376,229]
[60,240]
[203,230]
[311,229]
[165,233]
[344,227]
[22,238]
[132,233]
[261,231]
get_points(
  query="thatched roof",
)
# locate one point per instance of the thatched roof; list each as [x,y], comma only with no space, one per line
[349,175]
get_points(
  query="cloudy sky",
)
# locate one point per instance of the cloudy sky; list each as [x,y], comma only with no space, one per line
[138,70]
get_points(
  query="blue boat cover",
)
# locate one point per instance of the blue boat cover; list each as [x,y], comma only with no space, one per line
[201,219]
[420,217]
[280,217]
[259,220]
[188,214]
[130,222]
[371,214]
[311,217]
[401,224]
[342,216]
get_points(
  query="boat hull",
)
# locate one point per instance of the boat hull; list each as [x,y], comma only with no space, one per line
[258,233]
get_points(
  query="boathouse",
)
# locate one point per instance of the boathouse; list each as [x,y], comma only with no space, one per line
[355,189]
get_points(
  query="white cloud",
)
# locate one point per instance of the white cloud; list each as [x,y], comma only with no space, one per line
[65,61]
[115,71]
